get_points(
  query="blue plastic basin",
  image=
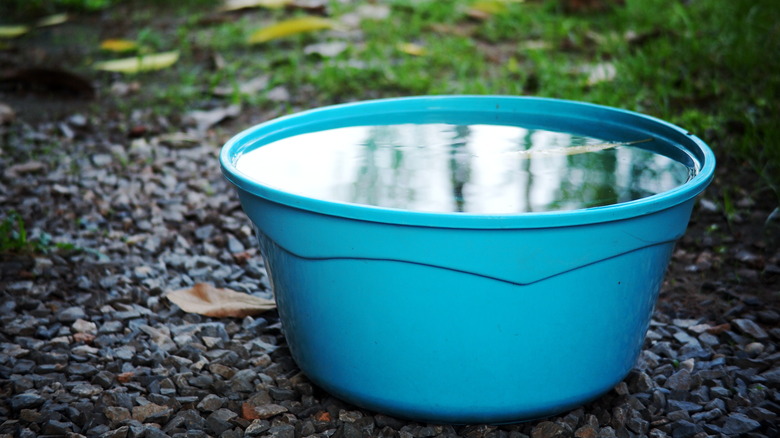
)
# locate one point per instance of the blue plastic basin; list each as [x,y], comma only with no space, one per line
[465,318]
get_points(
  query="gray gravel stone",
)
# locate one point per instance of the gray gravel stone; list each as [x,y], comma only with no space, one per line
[737,424]
[772,376]
[750,328]
[220,420]
[685,429]
[679,381]
[677,405]
[26,401]
[288,431]
[71,314]
[548,429]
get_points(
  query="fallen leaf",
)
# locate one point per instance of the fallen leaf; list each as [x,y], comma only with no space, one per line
[206,119]
[248,412]
[489,7]
[7,114]
[249,87]
[86,338]
[311,6]
[205,299]
[718,329]
[373,12]
[601,72]
[24,168]
[125,377]
[52,20]
[365,12]
[461,29]
[327,49]
[261,412]
[484,9]
[122,89]
[534,45]
[118,45]
[323,416]
[411,49]
[180,140]
[278,94]
[141,63]
[235,5]
[290,27]
[243,257]
[13,31]
[634,38]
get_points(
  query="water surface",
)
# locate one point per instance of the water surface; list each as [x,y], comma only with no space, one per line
[484,169]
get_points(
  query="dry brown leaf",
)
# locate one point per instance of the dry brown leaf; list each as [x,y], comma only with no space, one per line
[205,299]
[125,377]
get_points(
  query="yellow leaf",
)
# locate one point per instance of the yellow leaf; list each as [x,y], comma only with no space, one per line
[491,7]
[118,45]
[137,64]
[13,31]
[235,5]
[205,299]
[290,27]
[483,9]
[411,49]
[52,20]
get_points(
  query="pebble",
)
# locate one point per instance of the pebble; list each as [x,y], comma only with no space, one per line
[219,421]
[738,424]
[548,429]
[679,381]
[750,328]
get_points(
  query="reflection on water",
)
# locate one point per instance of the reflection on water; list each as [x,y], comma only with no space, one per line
[461,168]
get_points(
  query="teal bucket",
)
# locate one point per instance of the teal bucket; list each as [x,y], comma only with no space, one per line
[459,317]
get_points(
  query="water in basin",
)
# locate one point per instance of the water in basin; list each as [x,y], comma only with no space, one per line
[480,169]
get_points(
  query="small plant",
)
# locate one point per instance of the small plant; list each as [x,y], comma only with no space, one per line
[13,234]
[15,240]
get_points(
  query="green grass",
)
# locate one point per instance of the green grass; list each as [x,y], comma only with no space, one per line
[709,66]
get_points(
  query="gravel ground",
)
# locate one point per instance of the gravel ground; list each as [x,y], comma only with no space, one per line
[90,347]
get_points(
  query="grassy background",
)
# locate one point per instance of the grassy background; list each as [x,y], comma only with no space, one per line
[709,66]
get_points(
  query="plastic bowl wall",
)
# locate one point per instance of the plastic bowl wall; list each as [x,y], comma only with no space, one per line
[464,318]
